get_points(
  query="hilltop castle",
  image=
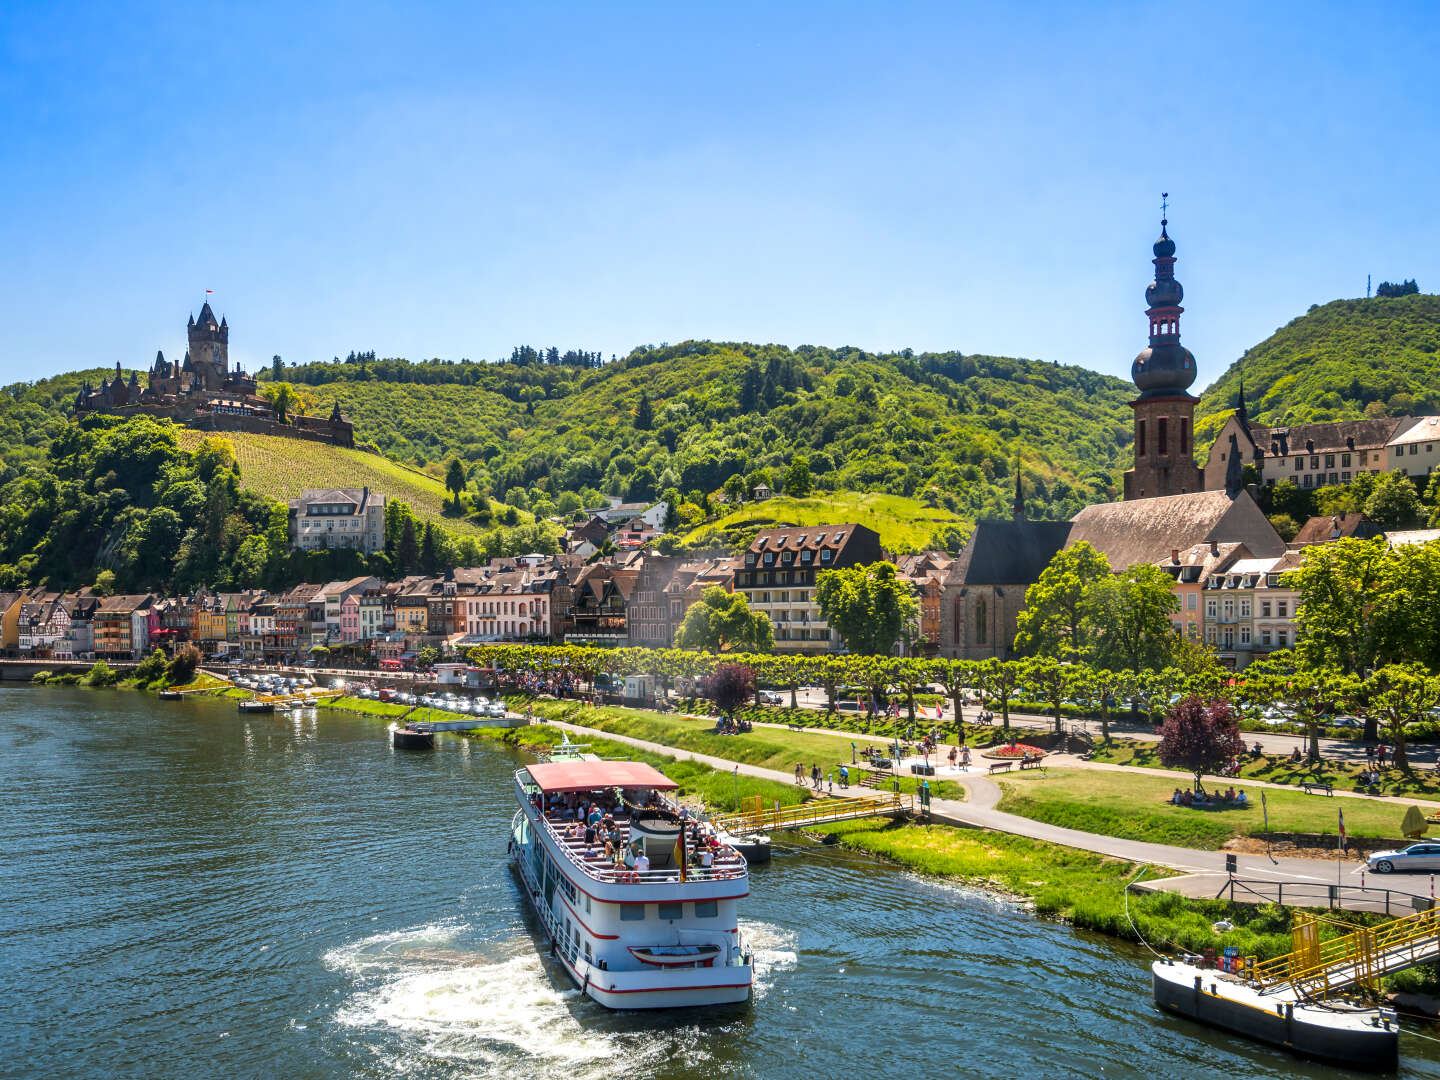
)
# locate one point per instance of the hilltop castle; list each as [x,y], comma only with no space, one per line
[204,391]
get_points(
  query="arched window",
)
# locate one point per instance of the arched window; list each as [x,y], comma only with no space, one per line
[982,621]
[956,613]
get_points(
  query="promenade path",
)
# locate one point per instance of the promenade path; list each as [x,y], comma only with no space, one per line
[980,812]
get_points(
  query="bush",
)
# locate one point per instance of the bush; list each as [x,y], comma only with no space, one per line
[182,668]
[150,669]
[41,677]
[102,674]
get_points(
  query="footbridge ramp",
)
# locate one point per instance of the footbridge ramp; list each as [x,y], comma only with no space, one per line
[1359,958]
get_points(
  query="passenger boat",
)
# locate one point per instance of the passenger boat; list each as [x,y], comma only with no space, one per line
[630,937]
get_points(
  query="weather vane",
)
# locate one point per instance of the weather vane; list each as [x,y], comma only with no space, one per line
[1164,207]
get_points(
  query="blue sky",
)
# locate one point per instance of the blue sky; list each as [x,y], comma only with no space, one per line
[452,180]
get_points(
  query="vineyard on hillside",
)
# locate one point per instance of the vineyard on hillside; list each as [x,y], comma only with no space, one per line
[281,468]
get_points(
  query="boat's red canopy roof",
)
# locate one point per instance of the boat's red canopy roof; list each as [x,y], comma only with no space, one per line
[594,775]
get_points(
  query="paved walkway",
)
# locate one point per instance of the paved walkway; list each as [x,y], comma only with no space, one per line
[980,813]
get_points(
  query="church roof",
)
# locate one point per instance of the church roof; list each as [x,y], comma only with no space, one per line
[1147,530]
[1004,552]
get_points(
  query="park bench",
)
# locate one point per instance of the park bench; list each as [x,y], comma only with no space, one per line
[796,727]
[1002,766]
[1037,763]
[1318,787]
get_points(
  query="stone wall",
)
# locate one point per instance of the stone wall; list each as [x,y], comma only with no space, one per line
[310,428]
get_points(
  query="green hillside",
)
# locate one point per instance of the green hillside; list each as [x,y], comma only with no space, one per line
[281,468]
[898,423]
[903,524]
[1339,361]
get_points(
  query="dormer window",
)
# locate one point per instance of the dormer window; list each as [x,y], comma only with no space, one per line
[825,554]
[788,558]
[804,556]
[769,557]
[749,558]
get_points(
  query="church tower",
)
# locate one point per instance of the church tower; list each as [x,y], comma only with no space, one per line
[1164,411]
[209,348]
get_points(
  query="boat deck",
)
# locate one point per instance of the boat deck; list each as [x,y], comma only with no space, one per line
[727,862]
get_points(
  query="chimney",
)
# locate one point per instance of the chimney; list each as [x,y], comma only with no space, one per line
[1175,555]
[1214,548]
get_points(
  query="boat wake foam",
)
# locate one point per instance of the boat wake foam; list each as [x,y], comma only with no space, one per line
[491,1007]
[774,949]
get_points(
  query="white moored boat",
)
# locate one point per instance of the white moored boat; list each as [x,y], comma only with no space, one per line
[654,928]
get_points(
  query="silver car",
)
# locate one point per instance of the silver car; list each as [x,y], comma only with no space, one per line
[1423,856]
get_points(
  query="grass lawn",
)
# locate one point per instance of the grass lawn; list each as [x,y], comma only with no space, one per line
[1279,769]
[280,467]
[1077,886]
[1135,807]
[769,748]
[903,524]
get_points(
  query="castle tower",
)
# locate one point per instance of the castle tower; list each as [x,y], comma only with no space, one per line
[1163,372]
[209,347]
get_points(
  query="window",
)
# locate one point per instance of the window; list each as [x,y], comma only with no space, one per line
[1162,436]
[1309,481]
[1140,439]
[706,909]
[1315,461]
[1399,450]
[672,911]
[825,555]
[632,912]
[1345,460]
[982,621]
[1299,463]
[1184,435]
[1282,608]
[1264,609]
[1345,477]
[1191,600]
[1210,634]
[1281,637]
[1265,637]
[1414,449]
[1244,609]
[1210,609]
[1244,635]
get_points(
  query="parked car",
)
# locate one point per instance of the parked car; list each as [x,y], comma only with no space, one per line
[1422,856]
[1346,722]
[771,697]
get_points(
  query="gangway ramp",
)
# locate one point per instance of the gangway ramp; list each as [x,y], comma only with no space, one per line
[824,811]
[1316,968]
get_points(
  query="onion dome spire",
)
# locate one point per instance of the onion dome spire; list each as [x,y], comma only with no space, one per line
[1166,368]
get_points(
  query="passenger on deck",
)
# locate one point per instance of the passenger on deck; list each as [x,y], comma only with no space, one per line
[642,862]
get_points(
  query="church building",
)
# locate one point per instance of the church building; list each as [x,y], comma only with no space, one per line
[1166,508]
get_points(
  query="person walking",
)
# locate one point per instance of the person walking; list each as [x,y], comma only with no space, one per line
[799,774]
[815,776]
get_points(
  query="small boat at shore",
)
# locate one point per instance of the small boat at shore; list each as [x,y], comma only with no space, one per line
[257,706]
[171,695]
[657,930]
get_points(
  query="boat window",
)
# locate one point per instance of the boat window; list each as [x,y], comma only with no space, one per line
[632,912]
[706,909]
[672,911]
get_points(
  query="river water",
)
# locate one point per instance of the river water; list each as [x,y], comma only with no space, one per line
[185,892]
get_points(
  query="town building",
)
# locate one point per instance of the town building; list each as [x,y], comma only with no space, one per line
[1191,568]
[1308,455]
[1327,528]
[926,573]
[338,518]
[648,622]
[777,572]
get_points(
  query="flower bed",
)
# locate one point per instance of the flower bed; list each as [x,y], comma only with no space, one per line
[1007,751]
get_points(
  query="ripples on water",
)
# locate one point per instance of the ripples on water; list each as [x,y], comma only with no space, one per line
[185,892]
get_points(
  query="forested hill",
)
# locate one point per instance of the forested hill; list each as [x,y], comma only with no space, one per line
[1339,361]
[943,427]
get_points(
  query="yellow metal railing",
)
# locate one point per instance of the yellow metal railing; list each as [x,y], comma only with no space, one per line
[1359,957]
[754,817]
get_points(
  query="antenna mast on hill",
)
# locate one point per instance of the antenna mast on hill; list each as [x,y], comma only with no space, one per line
[1367,286]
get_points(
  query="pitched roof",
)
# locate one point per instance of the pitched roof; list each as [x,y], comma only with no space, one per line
[1322,528]
[1422,429]
[1004,551]
[1331,436]
[1146,530]
[814,537]
[1412,536]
